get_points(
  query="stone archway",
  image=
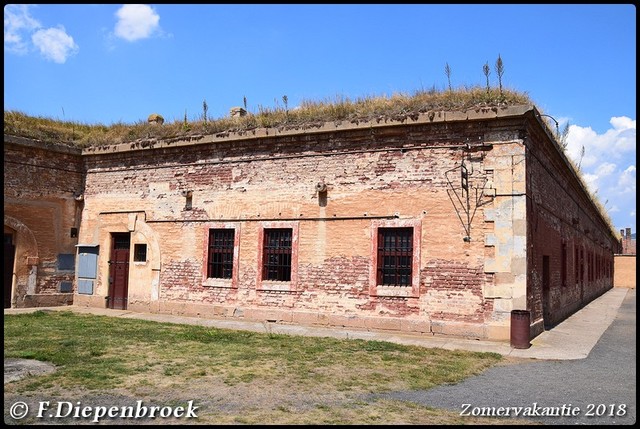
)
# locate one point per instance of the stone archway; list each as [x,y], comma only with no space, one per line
[25,267]
[152,239]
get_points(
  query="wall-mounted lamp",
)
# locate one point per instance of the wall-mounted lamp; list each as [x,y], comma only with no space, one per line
[321,189]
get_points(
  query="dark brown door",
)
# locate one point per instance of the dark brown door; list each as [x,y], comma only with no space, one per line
[9,256]
[119,270]
[546,291]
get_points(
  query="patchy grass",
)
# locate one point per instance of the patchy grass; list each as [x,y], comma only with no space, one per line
[96,352]
[308,114]
[234,376]
[380,412]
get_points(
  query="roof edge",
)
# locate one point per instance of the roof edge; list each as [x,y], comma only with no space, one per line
[429,117]
[40,144]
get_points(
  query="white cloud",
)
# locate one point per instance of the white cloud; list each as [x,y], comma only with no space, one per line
[615,143]
[18,23]
[591,180]
[623,123]
[55,44]
[627,181]
[22,32]
[136,21]
[608,163]
[605,169]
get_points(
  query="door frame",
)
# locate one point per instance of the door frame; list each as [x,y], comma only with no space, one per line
[119,256]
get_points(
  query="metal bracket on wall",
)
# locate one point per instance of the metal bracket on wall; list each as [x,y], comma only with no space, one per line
[468,195]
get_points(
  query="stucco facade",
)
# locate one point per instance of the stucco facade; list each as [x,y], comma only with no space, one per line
[483,201]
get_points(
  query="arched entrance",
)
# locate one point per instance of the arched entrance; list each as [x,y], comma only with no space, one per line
[9,259]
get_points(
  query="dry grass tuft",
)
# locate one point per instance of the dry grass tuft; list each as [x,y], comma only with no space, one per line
[308,114]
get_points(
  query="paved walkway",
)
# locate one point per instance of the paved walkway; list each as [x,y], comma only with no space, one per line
[597,390]
[572,339]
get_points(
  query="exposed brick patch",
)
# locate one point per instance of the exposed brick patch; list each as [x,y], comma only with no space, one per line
[338,275]
[50,283]
[181,281]
[387,306]
[454,291]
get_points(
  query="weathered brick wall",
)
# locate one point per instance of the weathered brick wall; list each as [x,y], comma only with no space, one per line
[628,244]
[559,213]
[395,172]
[39,211]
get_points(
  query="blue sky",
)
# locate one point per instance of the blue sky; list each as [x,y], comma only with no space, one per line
[114,63]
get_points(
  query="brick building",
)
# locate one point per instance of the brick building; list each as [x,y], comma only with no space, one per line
[43,184]
[625,261]
[440,223]
[628,242]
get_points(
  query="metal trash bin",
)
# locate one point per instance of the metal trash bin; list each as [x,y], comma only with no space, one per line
[520,329]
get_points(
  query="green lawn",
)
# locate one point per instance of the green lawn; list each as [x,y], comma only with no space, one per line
[235,376]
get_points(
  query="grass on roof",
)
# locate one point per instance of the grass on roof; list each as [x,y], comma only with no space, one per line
[308,114]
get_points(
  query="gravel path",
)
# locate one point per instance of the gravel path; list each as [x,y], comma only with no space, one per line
[607,376]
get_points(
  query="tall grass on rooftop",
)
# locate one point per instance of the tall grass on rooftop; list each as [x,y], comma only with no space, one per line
[308,114]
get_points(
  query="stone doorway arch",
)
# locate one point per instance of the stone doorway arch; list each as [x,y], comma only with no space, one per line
[24,271]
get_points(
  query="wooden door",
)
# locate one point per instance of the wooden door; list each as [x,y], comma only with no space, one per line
[119,270]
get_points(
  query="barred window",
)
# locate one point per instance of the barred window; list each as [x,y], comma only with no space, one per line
[140,253]
[395,256]
[220,259]
[276,264]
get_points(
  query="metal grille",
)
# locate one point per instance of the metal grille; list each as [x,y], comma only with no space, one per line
[140,252]
[277,254]
[395,256]
[220,261]
[121,240]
